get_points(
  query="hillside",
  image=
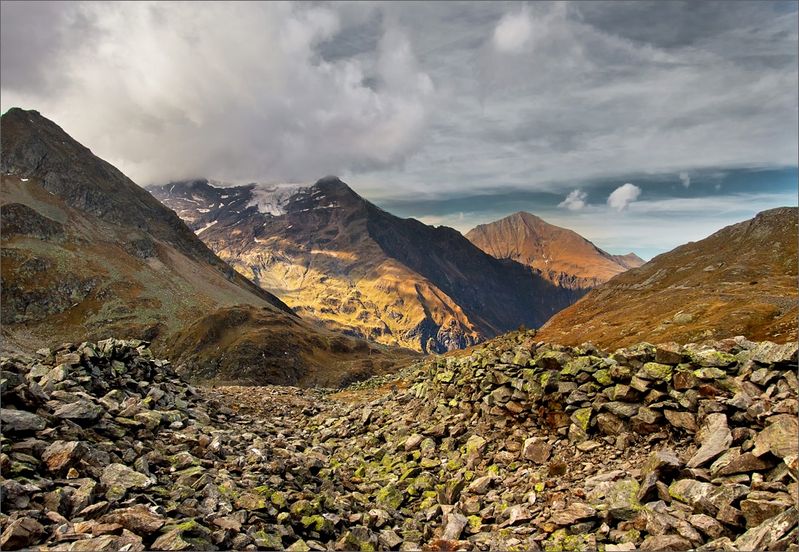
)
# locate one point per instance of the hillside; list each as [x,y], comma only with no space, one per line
[332,255]
[560,255]
[739,281]
[86,254]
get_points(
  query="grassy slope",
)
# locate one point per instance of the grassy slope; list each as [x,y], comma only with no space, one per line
[739,281]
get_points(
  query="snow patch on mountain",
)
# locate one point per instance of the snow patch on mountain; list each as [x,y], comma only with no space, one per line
[272,199]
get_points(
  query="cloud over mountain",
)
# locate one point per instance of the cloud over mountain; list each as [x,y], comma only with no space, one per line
[169,90]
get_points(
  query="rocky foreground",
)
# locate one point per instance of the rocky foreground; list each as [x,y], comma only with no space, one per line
[518,446]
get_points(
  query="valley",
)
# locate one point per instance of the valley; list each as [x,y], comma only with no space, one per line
[399,276]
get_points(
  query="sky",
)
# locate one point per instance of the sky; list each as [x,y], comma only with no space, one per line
[641,125]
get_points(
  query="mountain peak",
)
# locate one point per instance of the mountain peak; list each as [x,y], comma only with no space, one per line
[561,254]
[331,183]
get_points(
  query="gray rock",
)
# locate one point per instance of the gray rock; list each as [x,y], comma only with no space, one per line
[707,525]
[118,478]
[621,409]
[454,522]
[79,410]
[715,437]
[20,421]
[772,353]
[622,499]
[780,437]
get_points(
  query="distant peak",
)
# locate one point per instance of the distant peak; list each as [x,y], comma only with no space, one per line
[330,179]
[333,183]
[523,215]
[24,115]
[19,111]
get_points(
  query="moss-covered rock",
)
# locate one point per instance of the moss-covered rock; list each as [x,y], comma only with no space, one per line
[389,497]
[656,371]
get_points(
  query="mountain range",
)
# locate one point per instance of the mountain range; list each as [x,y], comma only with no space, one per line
[562,256]
[313,284]
[86,253]
[334,256]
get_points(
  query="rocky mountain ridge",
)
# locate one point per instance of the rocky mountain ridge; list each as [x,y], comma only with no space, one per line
[560,255]
[336,257]
[87,253]
[740,280]
[514,445]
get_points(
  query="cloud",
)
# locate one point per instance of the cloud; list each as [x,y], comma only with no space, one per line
[622,196]
[237,92]
[685,179]
[435,99]
[513,32]
[574,201]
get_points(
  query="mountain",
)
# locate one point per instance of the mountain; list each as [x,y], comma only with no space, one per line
[330,254]
[86,253]
[739,281]
[560,255]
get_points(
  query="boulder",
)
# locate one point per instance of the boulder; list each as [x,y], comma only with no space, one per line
[714,437]
[20,421]
[780,437]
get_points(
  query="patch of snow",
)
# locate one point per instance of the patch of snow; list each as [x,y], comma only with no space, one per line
[203,210]
[224,196]
[24,179]
[206,227]
[272,200]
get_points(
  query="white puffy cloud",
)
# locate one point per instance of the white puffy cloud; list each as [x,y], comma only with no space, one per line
[685,179]
[513,31]
[620,198]
[574,201]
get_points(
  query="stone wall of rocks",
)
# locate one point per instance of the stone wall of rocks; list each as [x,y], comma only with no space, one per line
[733,402]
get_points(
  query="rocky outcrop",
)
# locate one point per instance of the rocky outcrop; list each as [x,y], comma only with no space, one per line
[518,444]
